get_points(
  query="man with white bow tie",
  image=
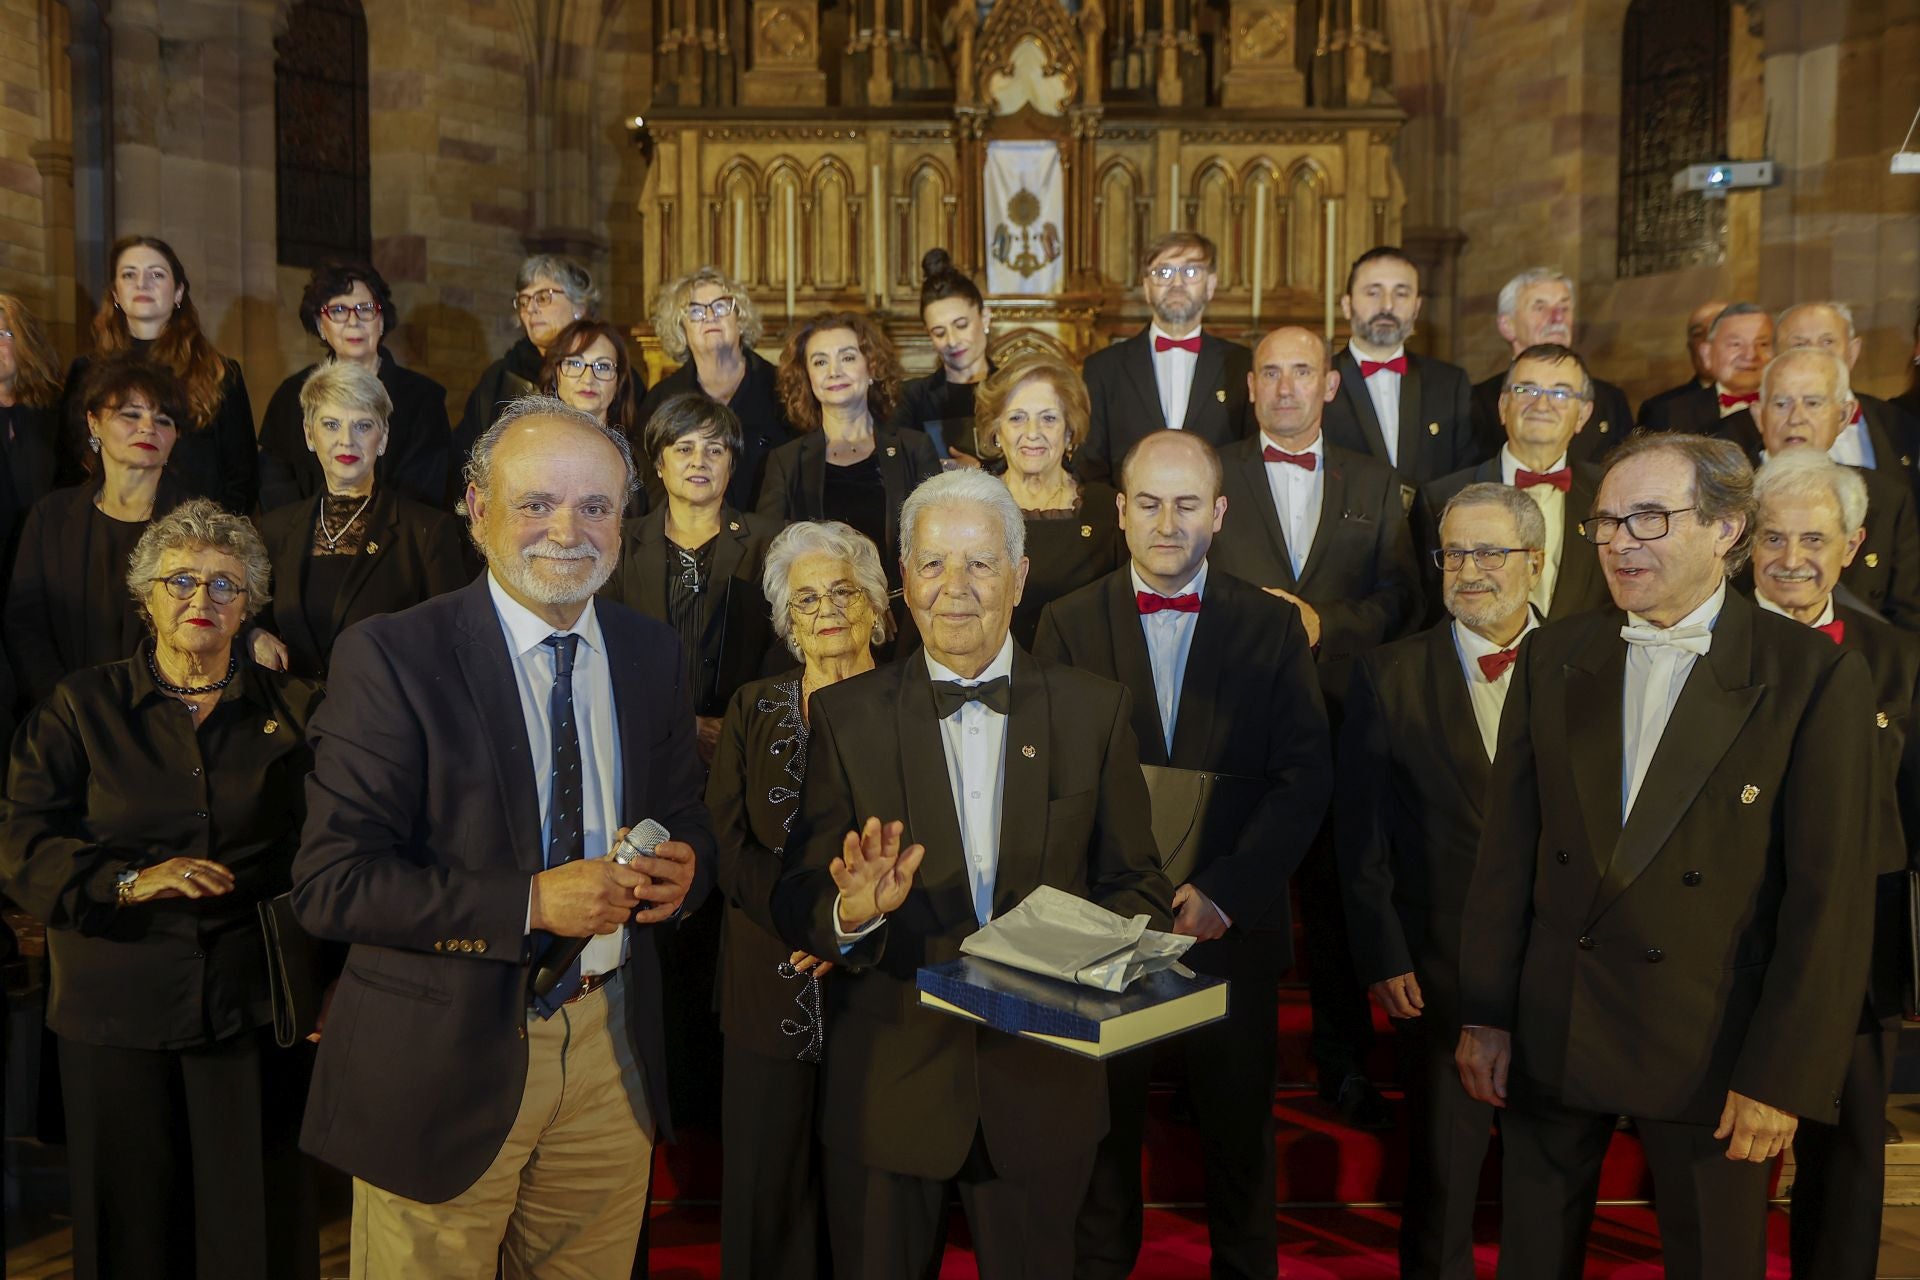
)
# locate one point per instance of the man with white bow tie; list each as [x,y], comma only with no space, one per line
[1675,878]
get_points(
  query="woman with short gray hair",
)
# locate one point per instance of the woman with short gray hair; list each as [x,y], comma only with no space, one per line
[151,805]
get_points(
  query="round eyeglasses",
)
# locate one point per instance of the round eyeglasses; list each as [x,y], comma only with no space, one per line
[184,586]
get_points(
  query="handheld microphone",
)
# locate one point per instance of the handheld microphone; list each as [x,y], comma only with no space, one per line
[639,842]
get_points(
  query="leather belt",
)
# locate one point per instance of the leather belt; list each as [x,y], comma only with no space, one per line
[588,986]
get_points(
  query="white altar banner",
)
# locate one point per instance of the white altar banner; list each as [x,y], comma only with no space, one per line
[1026,218]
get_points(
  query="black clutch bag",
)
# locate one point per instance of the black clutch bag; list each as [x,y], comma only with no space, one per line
[1197,816]
[293,971]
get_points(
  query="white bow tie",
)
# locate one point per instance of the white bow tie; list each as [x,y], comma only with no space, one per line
[1696,639]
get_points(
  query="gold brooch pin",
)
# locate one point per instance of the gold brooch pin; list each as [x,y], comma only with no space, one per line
[1086,531]
[890,451]
[1221,395]
[1603,428]
[1880,718]
[373,548]
[733,526]
[1873,560]
[1433,428]
[1749,793]
[1027,751]
[270,726]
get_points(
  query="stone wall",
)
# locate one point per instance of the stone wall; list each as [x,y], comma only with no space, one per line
[25,265]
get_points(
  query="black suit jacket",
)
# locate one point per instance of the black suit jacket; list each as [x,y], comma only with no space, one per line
[745,635]
[1688,407]
[1435,430]
[1126,400]
[413,553]
[1649,968]
[1360,575]
[422,835]
[1611,422]
[911,1087]
[419,439]
[1408,807]
[1249,705]
[1581,584]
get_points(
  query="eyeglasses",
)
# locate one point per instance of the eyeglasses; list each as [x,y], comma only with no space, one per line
[807,603]
[1560,396]
[1190,272]
[339,311]
[718,309]
[1450,559]
[183,586]
[525,302]
[575,367]
[1642,526]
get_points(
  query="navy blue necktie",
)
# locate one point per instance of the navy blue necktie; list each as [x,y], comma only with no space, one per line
[568,838]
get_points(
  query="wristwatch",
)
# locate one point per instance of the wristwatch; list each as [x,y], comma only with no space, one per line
[123,886]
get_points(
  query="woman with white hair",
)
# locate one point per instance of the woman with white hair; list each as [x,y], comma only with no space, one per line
[829,597]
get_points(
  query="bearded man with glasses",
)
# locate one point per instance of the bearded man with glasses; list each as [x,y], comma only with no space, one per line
[1674,884]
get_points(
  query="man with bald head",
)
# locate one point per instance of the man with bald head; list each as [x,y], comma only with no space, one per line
[1323,528]
[1536,308]
[1699,321]
[1738,345]
[1223,683]
[476,759]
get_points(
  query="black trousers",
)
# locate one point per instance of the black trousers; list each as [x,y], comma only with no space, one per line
[183,1164]
[1230,1082]
[1712,1210]
[770,1221]
[1839,1177]
[890,1226]
[1342,1020]
[1450,1136]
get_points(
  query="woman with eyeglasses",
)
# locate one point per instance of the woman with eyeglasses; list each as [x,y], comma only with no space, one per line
[586,366]
[829,597]
[67,606]
[359,547]
[348,306]
[151,805]
[941,404]
[148,313]
[709,324]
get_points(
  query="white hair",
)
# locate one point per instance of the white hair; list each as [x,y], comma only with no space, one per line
[1840,309]
[1510,293]
[1842,383]
[1810,473]
[830,538]
[967,487]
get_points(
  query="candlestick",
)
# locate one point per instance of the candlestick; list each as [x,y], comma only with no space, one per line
[792,240]
[1259,246]
[1173,195]
[1333,226]
[879,238]
[739,238]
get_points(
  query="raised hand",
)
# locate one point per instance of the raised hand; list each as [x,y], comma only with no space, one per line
[873,873]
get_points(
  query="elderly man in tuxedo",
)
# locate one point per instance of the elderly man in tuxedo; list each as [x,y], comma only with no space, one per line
[1547,405]
[1810,524]
[1171,374]
[1738,345]
[1223,682]
[478,756]
[1415,751]
[1675,881]
[1699,321]
[1536,307]
[940,792]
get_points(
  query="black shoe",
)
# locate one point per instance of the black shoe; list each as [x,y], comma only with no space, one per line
[1361,1105]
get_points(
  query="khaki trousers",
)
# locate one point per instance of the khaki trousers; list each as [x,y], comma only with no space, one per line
[564,1198]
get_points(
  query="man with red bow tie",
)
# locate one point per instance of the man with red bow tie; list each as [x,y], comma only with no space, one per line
[1738,345]
[1811,524]
[1545,405]
[1223,681]
[1170,374]
[1412,412]
[1416,747]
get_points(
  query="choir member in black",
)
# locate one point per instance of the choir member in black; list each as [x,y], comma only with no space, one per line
[941,404]
[357,548]
[1222,682]
[29,421]
[151,804]
[1811,521]
[586,366]
[348,306]
[1699,323]
[550,293]
[1738,344]
[840,381]
[1537,307]
[829,598]
[1033,415]
[67,605]
[1881,435]
[1416,749]
[149,312]
[708,322]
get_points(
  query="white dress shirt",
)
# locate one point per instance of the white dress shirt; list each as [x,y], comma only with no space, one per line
[594,722]
[1853,447]
[1489,697]
[1169,636]
[1553,505]
[1173,376]
[1383,388]
[1297,494]
[1655,676]
[1826,614]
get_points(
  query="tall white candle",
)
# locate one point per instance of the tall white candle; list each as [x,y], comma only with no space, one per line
[879,238]
[1259,246]
[1333,226]
[792,240]
[739,238]
[1173,195]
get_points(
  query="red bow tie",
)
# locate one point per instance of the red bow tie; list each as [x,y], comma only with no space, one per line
[1561,479]
[1837,629]
[1162,343]
[1151,603]
[1494,665]
[1859,413]
[1306,461]
[1370,367]
[1729,399]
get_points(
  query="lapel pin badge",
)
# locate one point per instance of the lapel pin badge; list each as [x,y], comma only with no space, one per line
[373,548]
[1221,395]
[733,526]
[890,451]
[1603,428]
[1027,751]
[1086,531]
[270,726]
[1873,560]
[1749,793]
[1433,428]
[1880,719]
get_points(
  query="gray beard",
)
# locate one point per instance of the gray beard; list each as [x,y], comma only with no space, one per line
[518,573]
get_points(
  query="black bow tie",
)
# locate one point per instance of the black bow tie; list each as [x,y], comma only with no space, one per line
[950,695]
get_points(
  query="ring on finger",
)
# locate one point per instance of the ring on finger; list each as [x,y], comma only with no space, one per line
[188,874]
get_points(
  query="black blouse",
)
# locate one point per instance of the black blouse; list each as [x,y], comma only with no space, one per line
[857,495]
[763,427]
[109,774]
[943,410]
[419,438]
[1066,550]
[217,459]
